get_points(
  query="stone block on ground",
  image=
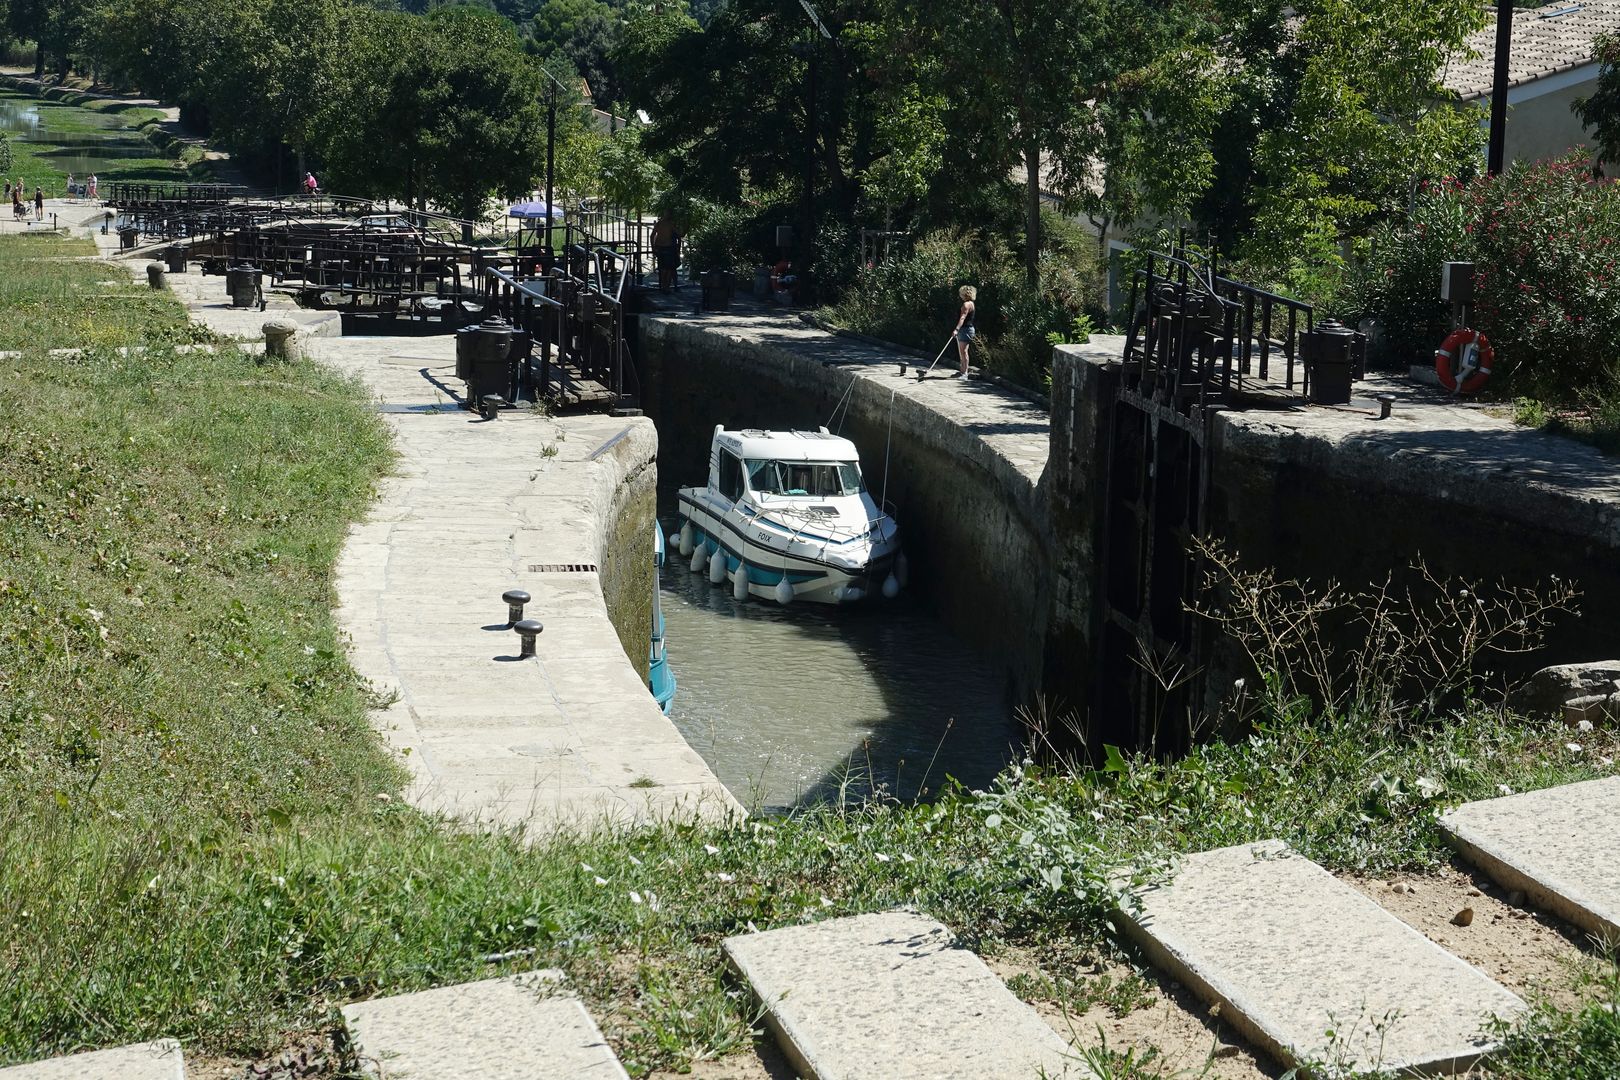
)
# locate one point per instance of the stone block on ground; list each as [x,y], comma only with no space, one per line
[1310,969]
[1549,689]
[1557,846]
[500,1029]
[160,1060]
[888,995]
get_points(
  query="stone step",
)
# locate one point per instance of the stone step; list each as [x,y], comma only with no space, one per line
[160,1060]
[1311,970]
[519,1028]
[874,997]
[1557,846]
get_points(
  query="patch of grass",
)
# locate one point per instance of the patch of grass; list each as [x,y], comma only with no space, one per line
[1555,1044]
[51,301]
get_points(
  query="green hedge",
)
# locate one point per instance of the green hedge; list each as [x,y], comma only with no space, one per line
[1545,242]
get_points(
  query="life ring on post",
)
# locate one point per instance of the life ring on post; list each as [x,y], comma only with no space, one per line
[1463,361]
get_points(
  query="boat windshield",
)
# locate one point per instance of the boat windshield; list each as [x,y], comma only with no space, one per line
[821,479]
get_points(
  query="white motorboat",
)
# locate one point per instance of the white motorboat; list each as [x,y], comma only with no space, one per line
[785,515]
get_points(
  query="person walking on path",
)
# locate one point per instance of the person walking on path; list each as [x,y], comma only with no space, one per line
[16,202]
[39,203]
[965,332]
[311,185]
[92,187]
[665,251]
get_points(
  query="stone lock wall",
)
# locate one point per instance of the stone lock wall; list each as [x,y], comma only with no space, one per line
[626,476]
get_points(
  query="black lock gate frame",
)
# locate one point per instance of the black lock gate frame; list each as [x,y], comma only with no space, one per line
[1193,347]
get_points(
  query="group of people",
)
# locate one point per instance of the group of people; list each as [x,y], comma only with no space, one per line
[19,207]
[86,190]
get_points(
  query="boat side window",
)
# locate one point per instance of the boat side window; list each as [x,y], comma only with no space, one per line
[764,476]
[731,476]
[851,477]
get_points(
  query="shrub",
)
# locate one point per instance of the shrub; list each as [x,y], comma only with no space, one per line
[1545,241]
[912,299]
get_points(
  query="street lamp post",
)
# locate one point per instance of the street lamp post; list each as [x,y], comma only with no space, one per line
[806,281]
[1499,87]
[551,151]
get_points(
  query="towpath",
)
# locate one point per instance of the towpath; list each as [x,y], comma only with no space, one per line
[570,738]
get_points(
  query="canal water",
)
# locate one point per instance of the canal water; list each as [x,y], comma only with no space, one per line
[79,152]
[806,703]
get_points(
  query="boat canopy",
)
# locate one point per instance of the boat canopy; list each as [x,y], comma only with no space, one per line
[753,444]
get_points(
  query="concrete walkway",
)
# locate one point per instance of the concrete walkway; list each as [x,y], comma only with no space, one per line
[893,995]
[1455,450]
[572,738]
[1557,846]
[477,508]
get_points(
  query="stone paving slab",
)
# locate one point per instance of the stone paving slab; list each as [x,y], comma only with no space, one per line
[1312,970]
[498,1029]
[160,1060]
[874,997]
[1559,846]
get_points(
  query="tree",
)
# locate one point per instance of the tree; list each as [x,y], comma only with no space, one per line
[584,33]
[1362,119]
[1601,111]
[1050,83]
[474,101]
[630,179]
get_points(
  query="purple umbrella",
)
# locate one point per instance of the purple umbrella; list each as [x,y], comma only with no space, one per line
[534,210]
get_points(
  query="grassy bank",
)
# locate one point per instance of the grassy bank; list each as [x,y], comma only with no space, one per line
[204,840]
[103,136]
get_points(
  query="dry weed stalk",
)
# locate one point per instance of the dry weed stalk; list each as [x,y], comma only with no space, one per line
[1397,644]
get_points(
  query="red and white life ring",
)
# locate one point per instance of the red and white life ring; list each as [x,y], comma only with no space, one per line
[1463,361]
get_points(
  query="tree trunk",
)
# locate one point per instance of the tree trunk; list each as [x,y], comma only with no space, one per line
[1032,213]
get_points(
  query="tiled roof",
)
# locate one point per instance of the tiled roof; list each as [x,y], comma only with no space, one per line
[1546,40]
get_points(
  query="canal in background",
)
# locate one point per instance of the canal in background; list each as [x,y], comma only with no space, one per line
[787,704]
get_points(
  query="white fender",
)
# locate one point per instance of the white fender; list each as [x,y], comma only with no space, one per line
[686,539]
[739,582]
[698,557]
[784,591]
[891,587]
[717,566]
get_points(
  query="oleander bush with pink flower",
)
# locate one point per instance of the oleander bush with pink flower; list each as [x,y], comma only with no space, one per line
[1545,242]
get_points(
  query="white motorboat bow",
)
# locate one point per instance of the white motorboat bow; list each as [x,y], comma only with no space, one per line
[786,515]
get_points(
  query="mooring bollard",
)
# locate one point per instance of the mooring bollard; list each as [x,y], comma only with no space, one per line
[1386,402]
[154,275]
[281,340]
[529,629]
[489,406]
[515,599]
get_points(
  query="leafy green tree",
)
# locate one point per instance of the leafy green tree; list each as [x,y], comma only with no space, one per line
[630,178]
[584,33]
[474,101]
[1051,86]
[5,154]
[1366,120]
[1601,111]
